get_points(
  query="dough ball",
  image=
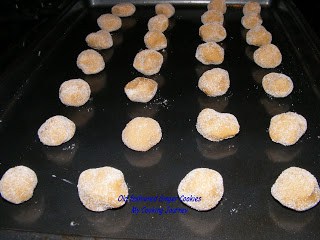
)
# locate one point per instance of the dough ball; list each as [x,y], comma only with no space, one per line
[296,188]
[212,16]
[166,9]
[277,84]
[74,92]
[203,183]
[100,40]
[155,40]
[56,130]
[141,89]
[148,62]
[100,188]
[210,53]
[251,7]
[251,20]
[258,36]
[158,23]
[17,184]
[123,9]
[217,5]
[214,82]
[141,134]
[267,56]
[90,62]
[212,32]
[287,128]
[109,22]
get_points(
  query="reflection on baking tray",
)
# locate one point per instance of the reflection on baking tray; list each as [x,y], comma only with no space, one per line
[106,54]
[258,73]
[61,155]
[164,53]
[217,103]
[244,33]
[143,159]
[142,110]
[275,106]
[159,79]
[200,69]
[80,115]
[96,82]
[249,50]
[278,153]
[117,39]
[128,22]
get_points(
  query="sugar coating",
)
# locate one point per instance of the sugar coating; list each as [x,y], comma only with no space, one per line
[212,16]
[258,36]
[212,32]
[277,84]
[166,9]
[267,56]
[202,182]
[109,22]
[100,188]
[141,134]
[158,23]
[56,130]
[155,40]
[17,184]
[90,62]
[287,128]
[74,92]
[123,9]
[251,20]
[214,82]
[100,40]
[251,7]
[297,189]
[148,62]
[217,5]
[141,89]
[210,53]
[216,126]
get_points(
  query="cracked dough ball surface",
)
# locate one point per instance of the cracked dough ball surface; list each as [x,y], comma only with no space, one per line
[251,20]
[90,62]
[148,62]
[214,82]
[267,56]
[218,5]
[123,9]
[277,84]
[158,23]
[141,89]
[212,16]
[212,32]
[109,22]
[258,36]
[251,7]
[100,40]
[210,53]
[166,9]
[155,40]
[74,92]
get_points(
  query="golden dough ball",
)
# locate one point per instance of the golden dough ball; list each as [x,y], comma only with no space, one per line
[166,9]
[287,128]
[210,53]
[267,56]
[56,130]
[258,36]
[201,189]
[212,32]
[100,40]
[277,84]
[216,126]
[99,188]
[74,92]
[141,134]
[158,23]
[297,189]
[251,20]
[155,40]
[90,62]
[141,89]
[123,9]
[212,16]
[251,7]
[217,5]
[109,22]
[214,82]
[148,62]
[17,184]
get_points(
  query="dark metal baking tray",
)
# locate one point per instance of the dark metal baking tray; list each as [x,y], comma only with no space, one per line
[249,162]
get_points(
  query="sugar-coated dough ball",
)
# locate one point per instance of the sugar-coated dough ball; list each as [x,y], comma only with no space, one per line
[216,126]
[17,184]
[74,92]
[166,9]
[210,53]
[90,62]
[141,89]
[212,32]
[287,128]
[277,84]
[100,188]
[100,40]
[267,56]
[148,62]
[56,130]
[258,36]
[158,23]
[217,5]
[296,188]
[251,7]
[109,22]
[214,82]
[155,40]
[123,9]
[251,20]
[141,134]
[201,189]
[212,16]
